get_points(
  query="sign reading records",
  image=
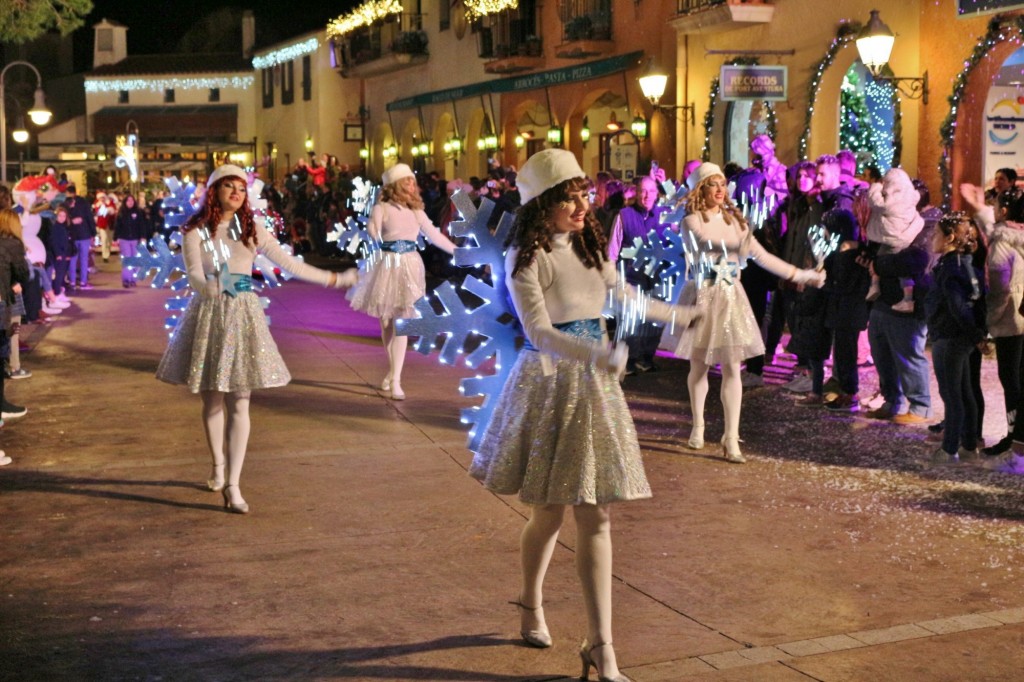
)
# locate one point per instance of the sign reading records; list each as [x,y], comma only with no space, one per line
[753,82]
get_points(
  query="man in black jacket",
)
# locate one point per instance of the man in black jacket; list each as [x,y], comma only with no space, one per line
[83,231]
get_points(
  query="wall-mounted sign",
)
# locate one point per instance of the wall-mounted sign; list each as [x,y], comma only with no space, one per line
[752,81]
[966,8]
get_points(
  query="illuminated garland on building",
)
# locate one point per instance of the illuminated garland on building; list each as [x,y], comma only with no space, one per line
[285,54]
[161,84]
[844,36]
[364,15]
[709,120]
[481,8]
[999,30]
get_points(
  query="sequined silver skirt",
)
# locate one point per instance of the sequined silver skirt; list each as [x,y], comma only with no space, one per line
[566,438]
[390,287]
[727,331]
[223,344]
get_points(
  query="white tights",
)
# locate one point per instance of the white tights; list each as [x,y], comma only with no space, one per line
[227,430]
[593,567]
[732,394]
[395,345]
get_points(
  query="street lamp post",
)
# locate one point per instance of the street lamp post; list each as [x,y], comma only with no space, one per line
[39,114]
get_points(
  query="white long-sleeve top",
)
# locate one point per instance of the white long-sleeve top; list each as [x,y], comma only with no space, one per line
[392,222]
[1005,266]
[712,236]
[557,287]
[199,263]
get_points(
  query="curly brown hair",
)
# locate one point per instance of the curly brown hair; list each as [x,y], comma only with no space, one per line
[695,203]
[210,214]
[959,230]
[396,193]
[531,229]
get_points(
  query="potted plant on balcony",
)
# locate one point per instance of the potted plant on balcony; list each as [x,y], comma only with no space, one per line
[579,28]
[410,42]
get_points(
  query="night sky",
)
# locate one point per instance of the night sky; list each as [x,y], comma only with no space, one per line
[156,27]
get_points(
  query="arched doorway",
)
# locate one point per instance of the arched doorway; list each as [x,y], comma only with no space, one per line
[867,118]
[745,120]
[1003,129]
[532,125]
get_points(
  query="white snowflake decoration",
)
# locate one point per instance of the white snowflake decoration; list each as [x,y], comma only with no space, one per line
[488,330]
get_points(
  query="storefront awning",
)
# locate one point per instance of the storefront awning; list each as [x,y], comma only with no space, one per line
[531,81]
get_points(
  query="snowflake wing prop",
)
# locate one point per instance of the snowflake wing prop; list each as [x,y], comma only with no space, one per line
[158,259]
[482,332]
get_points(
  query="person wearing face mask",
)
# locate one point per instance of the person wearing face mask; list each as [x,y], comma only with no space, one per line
[727,332]
[798,213]
[130,230]
[561,435]
[221,347]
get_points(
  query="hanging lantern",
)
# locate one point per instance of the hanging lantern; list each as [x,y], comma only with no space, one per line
[639,127]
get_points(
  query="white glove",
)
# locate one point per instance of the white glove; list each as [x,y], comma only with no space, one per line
[613,360]
[815,278]
[347,279]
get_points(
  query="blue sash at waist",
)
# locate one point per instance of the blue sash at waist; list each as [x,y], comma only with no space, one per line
[241,283]
[581,329]
[398,246]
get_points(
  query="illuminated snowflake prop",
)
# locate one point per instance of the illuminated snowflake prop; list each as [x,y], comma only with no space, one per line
[822,244]
[488,330]
[352,235]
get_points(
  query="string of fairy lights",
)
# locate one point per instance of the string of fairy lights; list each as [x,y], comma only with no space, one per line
[378,10]
[161,84]
[364,15]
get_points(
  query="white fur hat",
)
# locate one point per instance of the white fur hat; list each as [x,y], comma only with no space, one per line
[226,171]
[396,173]
[704,171]
[544,170]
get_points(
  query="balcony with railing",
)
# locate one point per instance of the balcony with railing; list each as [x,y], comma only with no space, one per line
[586,28]
[509,43]
[714,16]
[394,43]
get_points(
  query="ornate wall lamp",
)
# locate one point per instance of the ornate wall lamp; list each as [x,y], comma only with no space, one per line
[652,83]
[874,44]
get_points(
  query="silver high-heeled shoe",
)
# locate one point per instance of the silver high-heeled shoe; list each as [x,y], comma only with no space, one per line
[385,385]
[236,507]
[731,450]
[696,441]
[538,637]
[588,663]
[216,484]
[396,392]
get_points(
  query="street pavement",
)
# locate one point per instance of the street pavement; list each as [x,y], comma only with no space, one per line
[370,554]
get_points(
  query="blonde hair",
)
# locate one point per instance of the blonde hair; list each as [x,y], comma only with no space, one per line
[10,223]
[695,203]
[397,194]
